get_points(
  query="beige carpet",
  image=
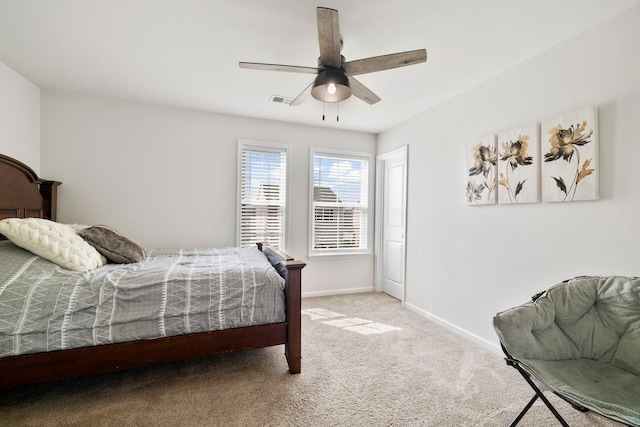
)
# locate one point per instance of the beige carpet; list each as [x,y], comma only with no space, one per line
[366,362]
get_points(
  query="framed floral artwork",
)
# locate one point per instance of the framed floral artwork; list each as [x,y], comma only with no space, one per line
[519,165]
[570,163]
[481,161]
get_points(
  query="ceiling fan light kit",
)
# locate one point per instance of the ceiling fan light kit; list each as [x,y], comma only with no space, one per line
[331,85]
[334,81]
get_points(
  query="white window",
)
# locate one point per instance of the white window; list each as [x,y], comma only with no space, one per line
[340,194]
[262,194]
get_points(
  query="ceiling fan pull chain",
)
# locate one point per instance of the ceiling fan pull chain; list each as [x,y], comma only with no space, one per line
[323,110]
[337,111]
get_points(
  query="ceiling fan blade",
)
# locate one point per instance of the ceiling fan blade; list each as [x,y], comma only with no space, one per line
[278,67]
[329,37]
[361,91]
[303,96]
[384,62]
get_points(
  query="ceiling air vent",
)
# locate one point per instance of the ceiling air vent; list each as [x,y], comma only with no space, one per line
[278,99]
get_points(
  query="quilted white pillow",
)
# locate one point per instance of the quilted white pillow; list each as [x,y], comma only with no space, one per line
[53,241]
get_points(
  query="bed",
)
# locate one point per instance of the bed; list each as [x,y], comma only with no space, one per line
[68,352]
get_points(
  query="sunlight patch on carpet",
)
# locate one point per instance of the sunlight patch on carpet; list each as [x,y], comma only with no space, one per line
[342,323]
[352,324]
[371,328]
[321,313]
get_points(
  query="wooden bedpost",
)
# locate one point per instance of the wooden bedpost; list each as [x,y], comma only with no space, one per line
[293,347]
[49,191]
[292,273]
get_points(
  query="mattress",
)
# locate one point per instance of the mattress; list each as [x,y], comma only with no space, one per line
[44,307]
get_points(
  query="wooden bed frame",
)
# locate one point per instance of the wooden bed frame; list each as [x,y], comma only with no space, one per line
[23,194]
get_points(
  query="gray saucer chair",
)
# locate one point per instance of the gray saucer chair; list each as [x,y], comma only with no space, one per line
[581,340]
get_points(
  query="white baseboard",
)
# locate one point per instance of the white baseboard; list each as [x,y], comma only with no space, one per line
[336,292]
[455,328]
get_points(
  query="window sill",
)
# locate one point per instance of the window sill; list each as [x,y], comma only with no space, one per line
[340,255]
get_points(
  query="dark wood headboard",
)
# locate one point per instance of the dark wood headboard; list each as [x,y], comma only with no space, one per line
[23,194]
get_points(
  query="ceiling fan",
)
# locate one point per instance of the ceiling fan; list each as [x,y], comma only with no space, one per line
[334,77]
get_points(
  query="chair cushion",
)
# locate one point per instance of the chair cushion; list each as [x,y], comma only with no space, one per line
[595,318]
[599,386]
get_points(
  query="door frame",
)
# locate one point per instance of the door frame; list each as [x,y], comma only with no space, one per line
[379,211]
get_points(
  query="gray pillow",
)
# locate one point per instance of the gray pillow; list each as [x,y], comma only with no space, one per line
[114,246]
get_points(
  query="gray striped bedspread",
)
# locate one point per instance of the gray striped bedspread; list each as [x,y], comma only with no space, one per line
[44,307]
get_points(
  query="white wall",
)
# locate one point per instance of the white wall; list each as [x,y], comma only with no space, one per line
[465,263]
[19,118]
[167,177]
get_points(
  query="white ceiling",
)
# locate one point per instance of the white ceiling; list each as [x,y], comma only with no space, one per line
[185,53]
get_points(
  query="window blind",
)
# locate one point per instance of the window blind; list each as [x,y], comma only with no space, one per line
[340,203]
[263,191]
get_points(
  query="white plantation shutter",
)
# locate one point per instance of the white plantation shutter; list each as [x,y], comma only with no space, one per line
[262,195]
[340,203]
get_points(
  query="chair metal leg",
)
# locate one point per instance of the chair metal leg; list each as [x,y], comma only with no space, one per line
[527,377]
[517,419]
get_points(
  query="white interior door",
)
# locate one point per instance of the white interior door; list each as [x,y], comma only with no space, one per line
[393,222]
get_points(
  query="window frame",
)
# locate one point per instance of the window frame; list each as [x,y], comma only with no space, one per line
[242,145]
[368,221]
